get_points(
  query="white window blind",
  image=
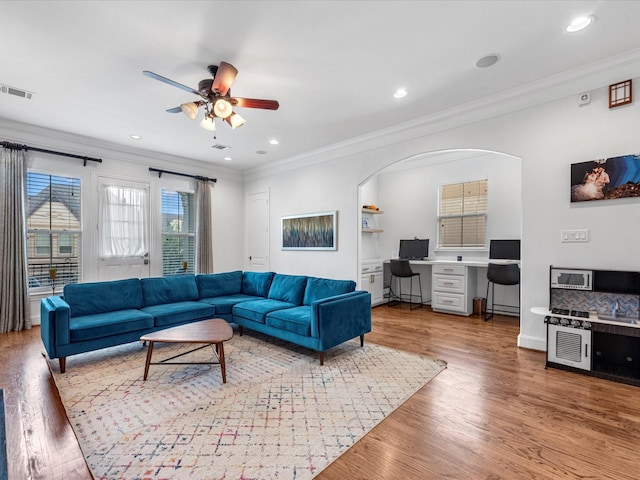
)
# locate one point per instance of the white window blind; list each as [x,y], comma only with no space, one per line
[178,232]
[462,214]
[123,231]
[53,229]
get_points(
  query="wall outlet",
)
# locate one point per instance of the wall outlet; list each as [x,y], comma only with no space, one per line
[573,236]
[584,98]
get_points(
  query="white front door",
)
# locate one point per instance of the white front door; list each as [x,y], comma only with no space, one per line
[259,231]
[123,229]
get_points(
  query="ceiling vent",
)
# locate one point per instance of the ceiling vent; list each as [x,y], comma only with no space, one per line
[219,146]
[15,91]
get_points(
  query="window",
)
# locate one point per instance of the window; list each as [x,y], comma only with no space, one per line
[178,232]
[123,222]
[462,215]
[53,229]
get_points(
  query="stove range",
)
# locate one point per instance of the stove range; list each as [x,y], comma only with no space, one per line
[570,313]
[568,322]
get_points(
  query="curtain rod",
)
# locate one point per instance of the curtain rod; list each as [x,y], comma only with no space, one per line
[17,146]
[197,177]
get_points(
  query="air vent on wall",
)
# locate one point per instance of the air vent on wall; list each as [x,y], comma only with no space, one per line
[15,91]
[220,146]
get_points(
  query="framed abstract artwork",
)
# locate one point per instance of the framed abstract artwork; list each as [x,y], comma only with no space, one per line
[313,231]
[606,179]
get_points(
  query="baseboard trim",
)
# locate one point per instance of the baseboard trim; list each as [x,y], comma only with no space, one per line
[532,343]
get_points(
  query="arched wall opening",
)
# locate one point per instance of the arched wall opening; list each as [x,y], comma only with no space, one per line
[406,191]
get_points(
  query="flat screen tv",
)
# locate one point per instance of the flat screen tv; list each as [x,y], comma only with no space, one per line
[415,249]
[504,249]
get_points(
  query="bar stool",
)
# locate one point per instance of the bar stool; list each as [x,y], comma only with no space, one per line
[501,274]
[402,269]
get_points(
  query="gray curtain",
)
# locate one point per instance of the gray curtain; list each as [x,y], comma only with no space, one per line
[204,240]
[14,296]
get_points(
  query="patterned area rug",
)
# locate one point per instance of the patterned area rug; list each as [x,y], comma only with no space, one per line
[279,416]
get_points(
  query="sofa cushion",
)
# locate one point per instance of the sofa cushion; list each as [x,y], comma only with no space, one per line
[288,288]
[180,312]
[319,288]
[296,320]
[256,310]
[225,304]
[256,283]
[99,325]
[163,290]
[219,284]
[100,297]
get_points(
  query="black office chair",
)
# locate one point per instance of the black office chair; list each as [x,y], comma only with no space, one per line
[402,269]
[501,274]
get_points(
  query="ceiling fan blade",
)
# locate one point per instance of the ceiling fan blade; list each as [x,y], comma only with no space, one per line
[255,103]
[170,82]
[225,76]
[174,110]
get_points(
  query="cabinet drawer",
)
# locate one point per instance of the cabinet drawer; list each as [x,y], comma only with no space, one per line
[448,301]
[449,283]
[449,269]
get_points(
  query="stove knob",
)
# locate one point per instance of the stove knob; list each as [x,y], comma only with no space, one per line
[586,325]
[575,323]
[564,322]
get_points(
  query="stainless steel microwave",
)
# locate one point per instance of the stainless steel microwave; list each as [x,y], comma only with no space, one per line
[571,279]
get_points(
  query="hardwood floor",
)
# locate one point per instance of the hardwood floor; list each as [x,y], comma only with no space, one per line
[494,413]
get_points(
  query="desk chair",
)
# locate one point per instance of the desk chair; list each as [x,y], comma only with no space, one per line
[501,274]
[402,269]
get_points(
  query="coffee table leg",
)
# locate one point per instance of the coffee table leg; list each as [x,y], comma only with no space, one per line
[146,365]
[220,348]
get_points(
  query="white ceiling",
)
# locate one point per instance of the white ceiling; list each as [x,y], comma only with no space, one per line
[333,66]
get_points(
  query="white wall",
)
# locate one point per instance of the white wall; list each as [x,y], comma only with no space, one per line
[133,165]
[548,138]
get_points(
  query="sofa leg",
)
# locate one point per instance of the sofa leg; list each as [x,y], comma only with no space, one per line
[321,358]
[362,340]
[63,364]
[240,330]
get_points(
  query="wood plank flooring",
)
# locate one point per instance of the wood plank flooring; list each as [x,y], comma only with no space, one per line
[494,413]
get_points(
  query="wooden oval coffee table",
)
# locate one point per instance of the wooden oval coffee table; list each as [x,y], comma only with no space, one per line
[214,331]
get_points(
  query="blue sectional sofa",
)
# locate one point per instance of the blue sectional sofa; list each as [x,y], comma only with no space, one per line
[317,313]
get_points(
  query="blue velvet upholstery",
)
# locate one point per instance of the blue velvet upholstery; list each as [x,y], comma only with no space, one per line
[106,324]
[256,310]
[318,288]
[179,312]
[256,283]
[162,290]
[287,288]
[316,313]
[296,320]
[101,297]
[219,284]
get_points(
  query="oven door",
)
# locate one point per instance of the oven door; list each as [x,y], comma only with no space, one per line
[569,346]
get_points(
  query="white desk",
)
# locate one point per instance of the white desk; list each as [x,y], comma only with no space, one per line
[453,284]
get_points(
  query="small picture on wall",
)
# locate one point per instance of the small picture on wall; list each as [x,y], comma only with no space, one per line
[313,231]
[606,179]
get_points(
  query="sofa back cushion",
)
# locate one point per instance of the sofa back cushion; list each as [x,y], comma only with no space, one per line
[288,288]
[319,288]
[101,297]
[161,290]
[256,283]
[219,284]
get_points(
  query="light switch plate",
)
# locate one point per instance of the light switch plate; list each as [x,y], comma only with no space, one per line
[580,235]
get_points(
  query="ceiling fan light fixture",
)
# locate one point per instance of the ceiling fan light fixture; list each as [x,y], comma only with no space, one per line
[235,120]
[208,123]
[190,109]
[222,108]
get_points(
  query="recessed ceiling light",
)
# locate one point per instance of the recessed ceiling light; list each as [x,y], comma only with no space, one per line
[261,152]
[135,137]
[580,23]
[487,60]
[228,159]
[273,141]
[400,93]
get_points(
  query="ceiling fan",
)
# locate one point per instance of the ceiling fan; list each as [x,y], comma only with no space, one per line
[216,97]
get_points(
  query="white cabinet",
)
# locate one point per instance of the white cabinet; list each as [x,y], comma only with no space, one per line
[371,281]
[453,287]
